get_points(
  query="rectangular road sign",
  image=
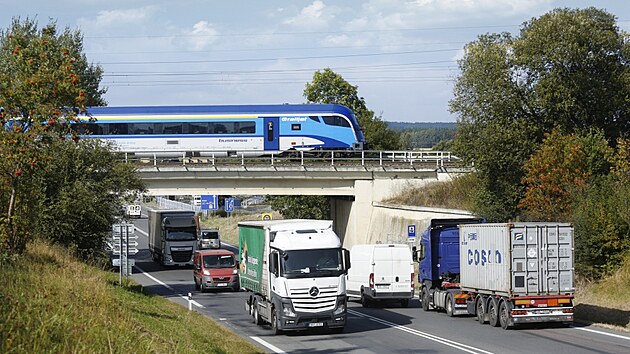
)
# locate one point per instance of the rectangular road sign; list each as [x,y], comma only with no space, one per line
[209,202]
[118,229]
[131,251]
[130,244]
[229,205]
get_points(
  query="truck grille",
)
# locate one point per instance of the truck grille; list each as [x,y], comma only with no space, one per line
[304,302]
[181,256]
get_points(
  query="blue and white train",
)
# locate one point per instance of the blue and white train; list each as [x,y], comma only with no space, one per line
[253,129]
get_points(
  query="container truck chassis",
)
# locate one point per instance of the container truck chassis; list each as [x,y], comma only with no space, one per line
[499,310]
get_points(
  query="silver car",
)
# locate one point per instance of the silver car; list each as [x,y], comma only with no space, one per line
[208,238]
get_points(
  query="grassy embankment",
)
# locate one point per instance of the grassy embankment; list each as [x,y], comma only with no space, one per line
[51,303]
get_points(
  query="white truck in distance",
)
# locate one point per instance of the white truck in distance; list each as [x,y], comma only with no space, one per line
[295,272]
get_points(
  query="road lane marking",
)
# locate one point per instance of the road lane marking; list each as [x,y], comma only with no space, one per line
[185,297]
[268,345]
[604,333]
[448,342]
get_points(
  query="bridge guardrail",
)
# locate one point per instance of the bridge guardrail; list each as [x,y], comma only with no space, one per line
[412,158]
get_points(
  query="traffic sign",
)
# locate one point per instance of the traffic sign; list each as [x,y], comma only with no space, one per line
[266,216]
[134,210]
[129,244]
[117,237]
[118,229]
[209,202]
[229,204]
[131,251]
[411,231]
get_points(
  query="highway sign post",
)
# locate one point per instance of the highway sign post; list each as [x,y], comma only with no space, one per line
[124,243]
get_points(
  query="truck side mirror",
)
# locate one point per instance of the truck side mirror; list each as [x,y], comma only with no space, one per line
[414,253]
[346,259]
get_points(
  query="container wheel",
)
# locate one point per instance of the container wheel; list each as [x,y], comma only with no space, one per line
[449,305]
[424,296]
[504,316]
[493,313]
[481,316]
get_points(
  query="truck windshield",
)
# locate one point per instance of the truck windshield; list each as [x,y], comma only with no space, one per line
[187,234]
[312,263]
[209,235]
[218,261]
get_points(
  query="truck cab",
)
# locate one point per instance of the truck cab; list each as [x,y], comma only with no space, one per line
[208,238]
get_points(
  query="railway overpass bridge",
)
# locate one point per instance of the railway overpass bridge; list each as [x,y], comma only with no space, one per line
[357,184]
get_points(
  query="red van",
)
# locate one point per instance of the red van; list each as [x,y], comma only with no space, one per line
[215,269]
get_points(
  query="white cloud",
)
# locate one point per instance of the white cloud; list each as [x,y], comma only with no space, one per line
[202,35]
[117,17]
[314,16]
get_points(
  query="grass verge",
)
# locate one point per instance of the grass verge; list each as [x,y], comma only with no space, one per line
[52,303]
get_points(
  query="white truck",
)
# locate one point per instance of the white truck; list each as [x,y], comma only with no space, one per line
[172,236]
[294,271]
[381,272]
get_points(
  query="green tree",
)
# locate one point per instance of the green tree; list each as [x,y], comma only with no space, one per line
[330,87]
[567,70]
[86,186]
[560,169]
[45,80]
[301,206]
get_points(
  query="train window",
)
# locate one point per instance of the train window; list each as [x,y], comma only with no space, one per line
[247,128]
[118,129]
[219,128]
[337,121]
[172,128]
[315,118]
[141,128]
[198,128]
[296,126]
[87,128]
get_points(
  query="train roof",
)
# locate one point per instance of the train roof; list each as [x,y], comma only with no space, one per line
[224,109]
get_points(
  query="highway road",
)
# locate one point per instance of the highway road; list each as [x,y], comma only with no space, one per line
[387,329]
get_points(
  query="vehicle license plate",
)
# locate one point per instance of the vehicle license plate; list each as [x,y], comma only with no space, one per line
[382,286]
[316,324]
[222,284]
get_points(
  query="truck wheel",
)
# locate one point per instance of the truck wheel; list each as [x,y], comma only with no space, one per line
[404,302]
[481,316]
[256,316]
[365,302]
[449,305]
[493,313]
[504,316]
[274,323]
[424,297]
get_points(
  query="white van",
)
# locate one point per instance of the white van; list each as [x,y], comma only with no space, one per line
[380,272]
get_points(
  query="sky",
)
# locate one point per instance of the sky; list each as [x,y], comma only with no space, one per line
[401,54]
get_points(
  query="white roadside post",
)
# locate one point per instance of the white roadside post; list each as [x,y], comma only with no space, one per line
[189,301]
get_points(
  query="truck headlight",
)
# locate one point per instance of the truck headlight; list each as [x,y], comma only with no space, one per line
[341,305]
[287,309]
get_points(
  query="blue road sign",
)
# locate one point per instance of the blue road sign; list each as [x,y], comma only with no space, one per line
[209,202]
[411,230]
[229,204]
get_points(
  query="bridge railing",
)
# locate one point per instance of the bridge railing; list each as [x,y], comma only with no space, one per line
[368,158]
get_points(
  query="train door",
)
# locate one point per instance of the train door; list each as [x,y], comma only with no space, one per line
[272,141]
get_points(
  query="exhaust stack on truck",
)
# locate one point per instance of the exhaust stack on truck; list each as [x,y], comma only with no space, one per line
[505,274]
[295,273]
